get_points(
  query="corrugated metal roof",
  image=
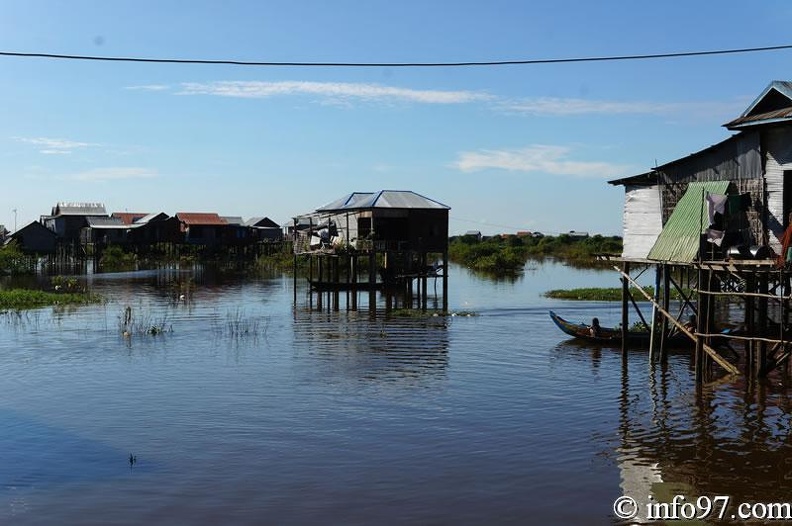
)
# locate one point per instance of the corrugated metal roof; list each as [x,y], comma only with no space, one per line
[263,222]
[233,220]
[680,238]
[200,218]
[758,112]
[79,209]
[346,202]
[383,199]
[644,179]
[105,222]
[129,217]
[401,199]
[147,218]
[779,115]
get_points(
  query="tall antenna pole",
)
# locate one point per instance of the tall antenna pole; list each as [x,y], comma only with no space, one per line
[15,219]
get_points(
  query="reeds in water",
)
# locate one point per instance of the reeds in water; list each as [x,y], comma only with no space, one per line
[144,323]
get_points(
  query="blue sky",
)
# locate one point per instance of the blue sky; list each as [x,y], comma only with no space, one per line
[526,147]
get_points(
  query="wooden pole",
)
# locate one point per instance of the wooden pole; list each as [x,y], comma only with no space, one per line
[763,318]
[625,315]
[372,279]
[445,280]
[703,315]
[666,306]
[709,350]
[750,287]
[653,340]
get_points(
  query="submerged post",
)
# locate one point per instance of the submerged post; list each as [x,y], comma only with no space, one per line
[625,314]
[653,334]
[445,280]
[666,306]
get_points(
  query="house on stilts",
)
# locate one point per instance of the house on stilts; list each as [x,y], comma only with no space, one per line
[389,242]
[715,227]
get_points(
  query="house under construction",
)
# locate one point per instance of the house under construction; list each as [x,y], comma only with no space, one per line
[715,227]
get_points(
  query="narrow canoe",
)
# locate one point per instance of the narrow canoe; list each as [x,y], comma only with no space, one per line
[607,334]
[613,335]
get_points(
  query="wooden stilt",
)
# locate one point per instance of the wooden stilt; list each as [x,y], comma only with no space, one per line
[625,319]
[666,306]
[653,339]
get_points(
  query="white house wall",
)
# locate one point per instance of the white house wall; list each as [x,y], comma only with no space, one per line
[642,220]
[778,157]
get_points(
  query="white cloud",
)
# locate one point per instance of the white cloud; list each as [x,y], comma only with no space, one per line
[335,92]
[149,87]
[50,146]
[538,158]
[112,174]
[560,106]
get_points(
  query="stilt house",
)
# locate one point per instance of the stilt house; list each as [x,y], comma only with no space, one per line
[68,219]
[390,239]
[724,211]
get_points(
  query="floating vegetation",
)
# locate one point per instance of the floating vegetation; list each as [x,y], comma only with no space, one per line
[16,299]
[593,294]
[605,294]
[142,324]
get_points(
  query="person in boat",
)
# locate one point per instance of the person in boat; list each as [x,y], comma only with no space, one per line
[690,325]
[595,329]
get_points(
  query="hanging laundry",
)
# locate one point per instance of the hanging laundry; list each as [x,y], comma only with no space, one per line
[716,204]
[714,236]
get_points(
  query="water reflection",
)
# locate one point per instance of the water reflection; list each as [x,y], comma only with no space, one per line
[729,437]
[357,345]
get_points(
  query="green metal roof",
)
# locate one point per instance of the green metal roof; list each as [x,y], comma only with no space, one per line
[680,238]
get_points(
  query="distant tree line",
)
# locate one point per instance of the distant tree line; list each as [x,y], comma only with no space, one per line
[509,254]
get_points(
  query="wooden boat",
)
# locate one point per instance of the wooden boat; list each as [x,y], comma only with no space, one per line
[606,334]
[613,335]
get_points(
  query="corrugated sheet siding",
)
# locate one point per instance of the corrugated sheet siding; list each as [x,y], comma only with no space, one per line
[679,240]
[778,156]
[735,159]
[642,220]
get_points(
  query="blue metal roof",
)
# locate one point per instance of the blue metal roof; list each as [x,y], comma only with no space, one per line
[383,199]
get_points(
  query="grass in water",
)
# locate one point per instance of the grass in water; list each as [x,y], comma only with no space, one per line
[594,294]
[17,299]
[141,323]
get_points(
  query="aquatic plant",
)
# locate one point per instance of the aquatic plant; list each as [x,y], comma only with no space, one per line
[114,259]
[591,294]
[142,323]
[181,289]
[32,299]
[21,319]
[604,294]
[65,284]
[499,255]
[14,262]
[238,324]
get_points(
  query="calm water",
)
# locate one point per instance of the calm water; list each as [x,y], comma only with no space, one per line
[247,411]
